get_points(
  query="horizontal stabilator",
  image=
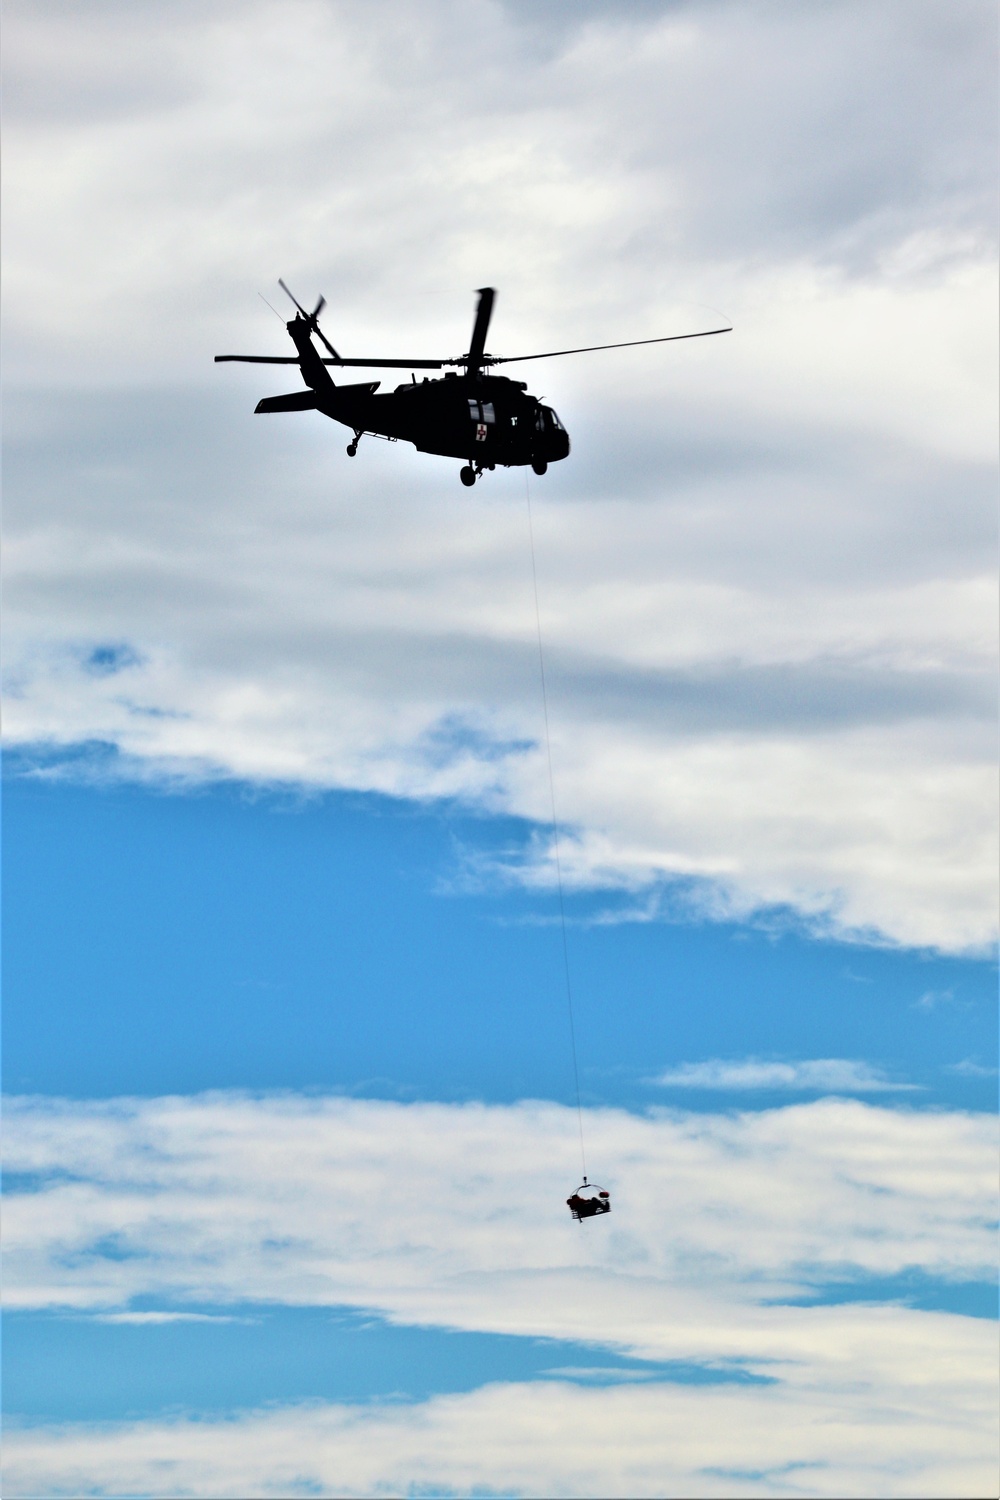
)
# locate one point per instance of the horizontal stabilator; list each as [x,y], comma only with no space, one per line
[296,401]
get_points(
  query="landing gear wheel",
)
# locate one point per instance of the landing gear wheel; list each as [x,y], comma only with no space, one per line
[539,465]
[352,448]
[467,475]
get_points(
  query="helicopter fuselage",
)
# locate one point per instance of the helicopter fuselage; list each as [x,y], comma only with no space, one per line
[488,420]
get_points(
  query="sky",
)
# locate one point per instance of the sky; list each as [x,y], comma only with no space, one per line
[290,1105]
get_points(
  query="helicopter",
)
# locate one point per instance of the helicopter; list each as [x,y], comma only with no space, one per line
[482,418]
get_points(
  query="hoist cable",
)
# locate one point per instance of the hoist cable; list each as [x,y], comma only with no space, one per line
[555,828]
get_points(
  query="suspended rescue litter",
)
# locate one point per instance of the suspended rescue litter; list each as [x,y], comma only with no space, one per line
[588,1201]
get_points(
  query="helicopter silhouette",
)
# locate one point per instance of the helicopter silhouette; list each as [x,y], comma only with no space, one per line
[482,418]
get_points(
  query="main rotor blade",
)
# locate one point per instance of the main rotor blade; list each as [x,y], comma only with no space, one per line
[438,364]
[365,364]
[592,348]
[484,311]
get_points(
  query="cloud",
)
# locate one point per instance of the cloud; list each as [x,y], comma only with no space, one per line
[919,1437]
[931,999]
[617,156]
[768,596]
[140,1318]
[835,1075]
[969,1068]
[453,1216]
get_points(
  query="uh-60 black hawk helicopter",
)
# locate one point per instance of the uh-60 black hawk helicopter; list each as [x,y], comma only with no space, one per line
[482,418]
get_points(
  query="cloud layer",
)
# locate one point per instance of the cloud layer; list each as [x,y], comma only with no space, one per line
[453,1216]
[661,1440]
[767,571]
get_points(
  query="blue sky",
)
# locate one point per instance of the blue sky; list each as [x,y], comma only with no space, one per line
[166,942]
[290,1115]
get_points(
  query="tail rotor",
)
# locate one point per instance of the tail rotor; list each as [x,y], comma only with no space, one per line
[311,318]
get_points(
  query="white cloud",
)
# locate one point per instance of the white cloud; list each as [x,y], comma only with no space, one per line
[835,1075]
[899,1437]
[453,1216]
[969,1068]
[152,1318]
[766,572]
[931,999]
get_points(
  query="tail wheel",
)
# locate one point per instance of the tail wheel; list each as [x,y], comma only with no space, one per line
[539,465]
[467,475]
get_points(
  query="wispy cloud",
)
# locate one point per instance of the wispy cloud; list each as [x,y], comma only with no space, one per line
[154,1318]
[839,1075]
[933,999]
[970,1068]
